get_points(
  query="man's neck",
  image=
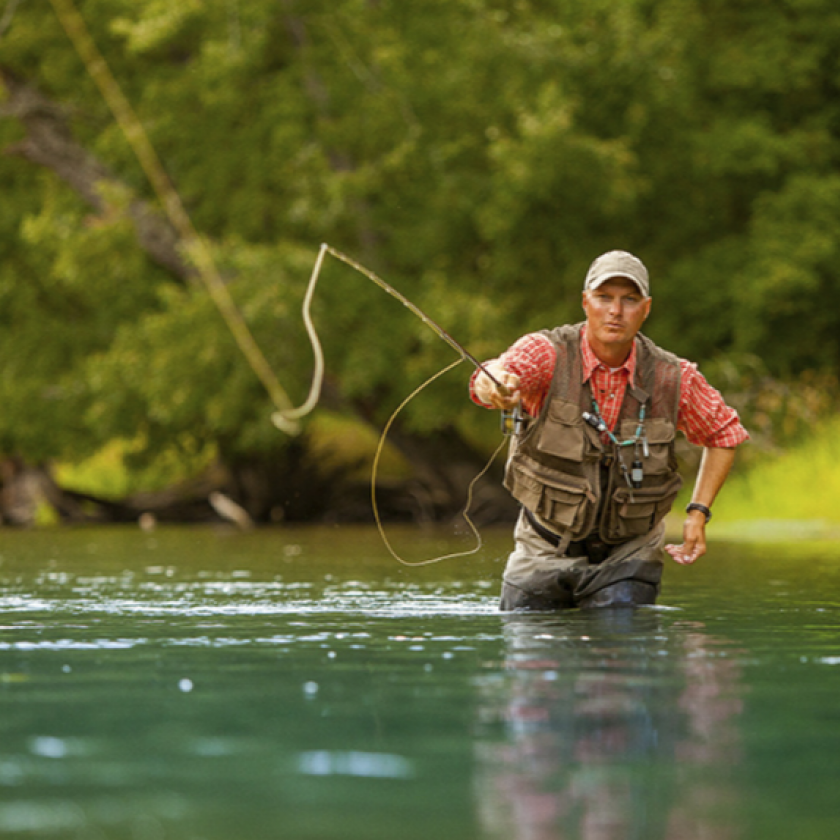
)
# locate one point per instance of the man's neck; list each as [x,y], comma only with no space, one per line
[612,355]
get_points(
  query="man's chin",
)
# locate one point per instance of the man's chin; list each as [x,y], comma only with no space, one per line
[614,336]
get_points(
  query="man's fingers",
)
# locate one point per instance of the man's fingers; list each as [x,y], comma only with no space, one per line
[488,390]
[509,401]
[682,554]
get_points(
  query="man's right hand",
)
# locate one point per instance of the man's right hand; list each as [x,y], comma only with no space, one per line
[487,391]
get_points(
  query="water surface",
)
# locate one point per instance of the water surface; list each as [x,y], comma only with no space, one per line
[202,684]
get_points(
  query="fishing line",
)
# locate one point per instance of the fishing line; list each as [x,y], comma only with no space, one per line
[289,415]
[464,514]
[286,416]
[317,380]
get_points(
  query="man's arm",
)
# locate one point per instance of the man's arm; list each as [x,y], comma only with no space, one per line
[526,368]
[714,468]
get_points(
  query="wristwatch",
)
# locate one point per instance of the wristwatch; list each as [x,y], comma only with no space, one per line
[702,508]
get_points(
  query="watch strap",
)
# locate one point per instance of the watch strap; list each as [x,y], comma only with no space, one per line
[702,508]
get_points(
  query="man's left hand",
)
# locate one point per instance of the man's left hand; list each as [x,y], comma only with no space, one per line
[694,540]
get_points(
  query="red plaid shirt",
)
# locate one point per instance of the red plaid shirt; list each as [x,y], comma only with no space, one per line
[703,416]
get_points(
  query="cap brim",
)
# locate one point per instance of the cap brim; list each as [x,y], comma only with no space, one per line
[611,275]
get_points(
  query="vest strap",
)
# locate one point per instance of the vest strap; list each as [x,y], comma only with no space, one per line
[590,547]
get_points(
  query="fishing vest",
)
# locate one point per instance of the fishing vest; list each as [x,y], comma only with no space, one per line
[560,469]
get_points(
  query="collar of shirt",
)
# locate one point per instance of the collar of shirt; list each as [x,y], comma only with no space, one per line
[591,361]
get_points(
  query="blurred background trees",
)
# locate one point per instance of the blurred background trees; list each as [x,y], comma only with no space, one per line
[478,154]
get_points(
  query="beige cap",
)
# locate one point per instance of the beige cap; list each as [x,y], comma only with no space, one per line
[618,264]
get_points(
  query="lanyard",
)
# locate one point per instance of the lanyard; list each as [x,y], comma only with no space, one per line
[635,475]
[599,424]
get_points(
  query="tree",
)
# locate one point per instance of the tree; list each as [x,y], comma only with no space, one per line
[477,154]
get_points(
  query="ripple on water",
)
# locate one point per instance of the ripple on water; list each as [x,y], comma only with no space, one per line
[105,596]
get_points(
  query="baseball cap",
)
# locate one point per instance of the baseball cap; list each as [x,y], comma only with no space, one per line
[617,264]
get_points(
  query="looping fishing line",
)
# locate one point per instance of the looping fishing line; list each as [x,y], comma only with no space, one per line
[280,418]
[286,417]
[464,514]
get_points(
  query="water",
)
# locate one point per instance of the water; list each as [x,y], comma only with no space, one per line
[201,684]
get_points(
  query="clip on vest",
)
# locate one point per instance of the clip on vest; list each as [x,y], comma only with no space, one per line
[596,422]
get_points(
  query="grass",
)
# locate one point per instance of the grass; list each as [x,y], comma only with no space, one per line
[107,474]
[793,494]
[335,440]
[801,483]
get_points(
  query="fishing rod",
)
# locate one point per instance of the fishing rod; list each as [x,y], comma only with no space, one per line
[442,333]
[281,419]
[286,417]
[512,421]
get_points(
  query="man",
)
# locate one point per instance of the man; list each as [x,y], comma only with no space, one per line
[595,469]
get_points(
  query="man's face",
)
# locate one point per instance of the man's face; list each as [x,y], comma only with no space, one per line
[615,311]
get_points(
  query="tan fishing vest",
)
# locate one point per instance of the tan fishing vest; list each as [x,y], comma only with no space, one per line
[560,469]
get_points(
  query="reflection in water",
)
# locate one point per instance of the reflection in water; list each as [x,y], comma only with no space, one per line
[605,725]
[296,685]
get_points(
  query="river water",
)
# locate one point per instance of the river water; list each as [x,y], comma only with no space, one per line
[202,684]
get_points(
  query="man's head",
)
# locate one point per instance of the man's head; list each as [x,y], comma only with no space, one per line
[618,264]
[616,300]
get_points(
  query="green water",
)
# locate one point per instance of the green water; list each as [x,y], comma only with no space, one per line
[197,684]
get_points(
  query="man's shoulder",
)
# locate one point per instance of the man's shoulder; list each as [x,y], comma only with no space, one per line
[647,345]
[564,334]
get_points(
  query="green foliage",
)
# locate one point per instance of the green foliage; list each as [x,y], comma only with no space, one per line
[782,487]
[108,473]
[476,154]
[788,292]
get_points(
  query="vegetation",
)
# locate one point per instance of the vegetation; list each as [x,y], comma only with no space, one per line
[797,485]
[476,153]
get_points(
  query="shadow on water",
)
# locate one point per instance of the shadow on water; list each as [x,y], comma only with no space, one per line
[198,685]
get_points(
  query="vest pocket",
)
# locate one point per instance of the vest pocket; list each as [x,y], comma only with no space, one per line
[565,504]
[660,435]
[634,513]
[563,434]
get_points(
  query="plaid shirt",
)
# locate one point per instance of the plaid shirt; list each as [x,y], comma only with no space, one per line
[702,415]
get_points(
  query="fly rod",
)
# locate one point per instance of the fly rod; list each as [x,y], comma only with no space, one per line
[455,345]
[283,418]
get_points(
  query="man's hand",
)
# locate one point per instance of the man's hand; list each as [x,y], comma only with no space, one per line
[714,467]
[694,540]
[486,390]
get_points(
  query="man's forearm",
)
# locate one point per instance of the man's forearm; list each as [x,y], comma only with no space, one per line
[714,468]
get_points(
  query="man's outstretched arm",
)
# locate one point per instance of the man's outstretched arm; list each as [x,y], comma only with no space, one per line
[714,468]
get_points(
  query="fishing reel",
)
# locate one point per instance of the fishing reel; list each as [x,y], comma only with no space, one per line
[514,421]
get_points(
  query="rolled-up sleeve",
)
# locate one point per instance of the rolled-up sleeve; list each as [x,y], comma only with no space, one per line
[704,416]
[532,359]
